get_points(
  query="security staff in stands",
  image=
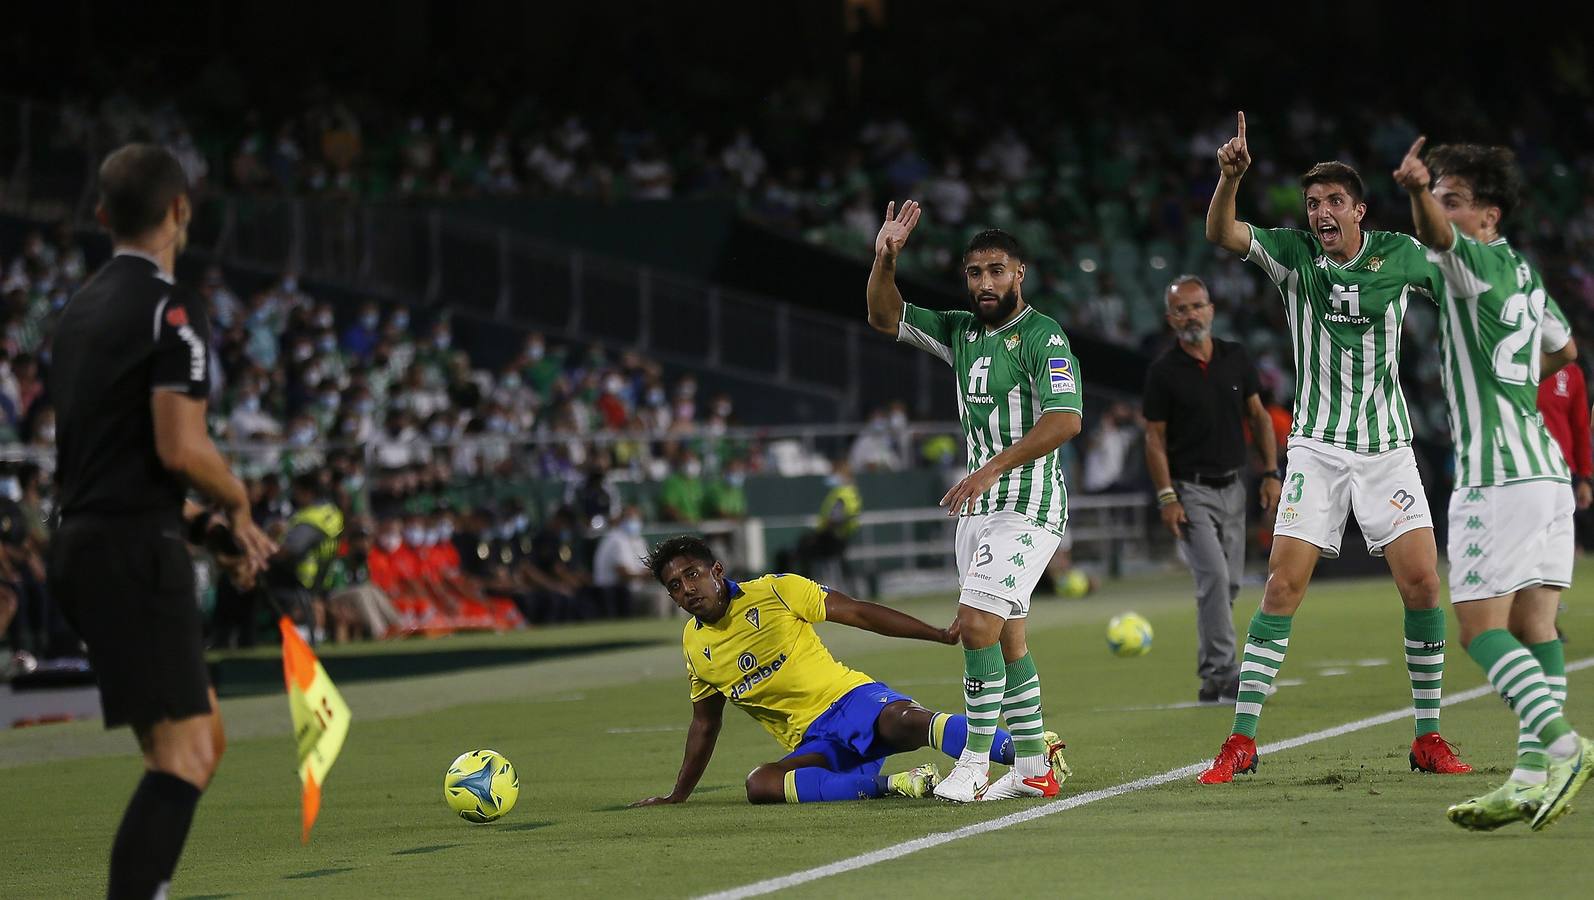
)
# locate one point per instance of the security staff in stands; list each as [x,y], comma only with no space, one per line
[129,378]
[1198,397]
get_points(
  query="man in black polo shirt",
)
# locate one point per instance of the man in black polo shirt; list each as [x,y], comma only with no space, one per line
[1197,398]
[129,379]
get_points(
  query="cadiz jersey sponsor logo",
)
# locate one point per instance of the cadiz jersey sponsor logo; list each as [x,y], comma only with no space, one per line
[747,662]
[754,676]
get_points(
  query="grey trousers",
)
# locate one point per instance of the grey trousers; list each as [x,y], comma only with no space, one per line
[1214,548]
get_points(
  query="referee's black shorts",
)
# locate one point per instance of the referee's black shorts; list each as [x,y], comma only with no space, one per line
[126,584]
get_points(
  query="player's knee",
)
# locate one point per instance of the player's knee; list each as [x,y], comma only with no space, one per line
[1419,591]
[1283,593]
[766,784]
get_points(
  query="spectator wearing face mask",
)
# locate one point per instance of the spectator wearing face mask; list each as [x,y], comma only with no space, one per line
[874,449]
[681,493]
[617,569]
[357,605]
[554,565]
[726,497]
[359,339]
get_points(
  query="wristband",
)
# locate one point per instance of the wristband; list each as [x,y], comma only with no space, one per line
[1167,497]
[1273,474]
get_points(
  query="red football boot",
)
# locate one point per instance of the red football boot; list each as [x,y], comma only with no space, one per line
[1237,756]
[1432,753]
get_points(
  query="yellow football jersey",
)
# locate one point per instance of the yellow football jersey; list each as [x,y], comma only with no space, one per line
[765,657]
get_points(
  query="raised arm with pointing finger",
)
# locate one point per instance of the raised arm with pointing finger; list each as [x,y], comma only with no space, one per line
[1223,228]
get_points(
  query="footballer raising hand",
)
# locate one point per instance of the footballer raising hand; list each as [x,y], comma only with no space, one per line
[898,225]
[1413,172]
[1234,158]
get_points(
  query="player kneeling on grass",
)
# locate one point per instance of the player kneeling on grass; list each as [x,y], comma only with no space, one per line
[753,643]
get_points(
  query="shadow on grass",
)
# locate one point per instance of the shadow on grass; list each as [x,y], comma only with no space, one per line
[523,826]
[417,850]
[242,676]
[319,873]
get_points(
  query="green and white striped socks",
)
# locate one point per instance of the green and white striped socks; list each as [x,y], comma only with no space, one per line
[1021,707]
[984,683]
[1265,643]
[1531,761]
[1519,680]
[1425,664]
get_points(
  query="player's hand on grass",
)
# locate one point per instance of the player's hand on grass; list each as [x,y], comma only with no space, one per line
[898,225]
[1234,158]
[968,491]
[656,801]
[1174,520]
[1413,173]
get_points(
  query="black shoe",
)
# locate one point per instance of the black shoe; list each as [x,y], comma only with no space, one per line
[1214,693]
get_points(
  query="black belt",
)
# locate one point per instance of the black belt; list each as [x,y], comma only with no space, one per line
[1209,480]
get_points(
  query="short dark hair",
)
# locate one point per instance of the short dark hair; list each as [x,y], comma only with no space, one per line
[1335,172]
[1491,172]
[689,546]
[996,239]
[138,183]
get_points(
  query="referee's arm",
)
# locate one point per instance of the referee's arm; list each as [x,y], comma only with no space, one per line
[185,448]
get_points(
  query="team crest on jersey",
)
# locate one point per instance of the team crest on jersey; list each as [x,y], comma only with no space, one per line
[1375,263]
[1290,515]
[1013,341]
[752,617]
[176,316]
[1062,373]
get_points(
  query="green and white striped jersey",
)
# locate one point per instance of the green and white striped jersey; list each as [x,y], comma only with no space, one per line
[1344,325]
[1494,320]
[1007,379]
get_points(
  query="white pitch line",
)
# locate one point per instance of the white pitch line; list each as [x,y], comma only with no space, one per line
[897,851]
[646,730]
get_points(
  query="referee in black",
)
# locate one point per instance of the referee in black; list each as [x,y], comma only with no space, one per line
[1197,399]
[129,378]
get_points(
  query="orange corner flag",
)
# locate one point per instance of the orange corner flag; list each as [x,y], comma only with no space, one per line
[320,718]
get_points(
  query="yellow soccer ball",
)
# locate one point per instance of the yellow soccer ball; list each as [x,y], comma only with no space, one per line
[481,786]
[1129,634]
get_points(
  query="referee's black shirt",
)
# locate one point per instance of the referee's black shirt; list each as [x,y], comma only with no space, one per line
[1204,407]
[127,333]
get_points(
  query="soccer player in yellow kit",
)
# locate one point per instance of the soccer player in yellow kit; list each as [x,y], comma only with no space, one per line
[753,643]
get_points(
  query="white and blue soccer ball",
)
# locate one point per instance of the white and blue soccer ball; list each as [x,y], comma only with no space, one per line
[481,786]
[1129,634]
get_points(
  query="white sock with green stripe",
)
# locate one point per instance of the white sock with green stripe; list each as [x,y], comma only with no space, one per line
[1021,706]
[984,682]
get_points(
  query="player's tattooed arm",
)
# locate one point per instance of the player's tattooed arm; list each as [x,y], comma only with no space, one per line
[707,716]
[885,301]
[1433,229]
[1223,226]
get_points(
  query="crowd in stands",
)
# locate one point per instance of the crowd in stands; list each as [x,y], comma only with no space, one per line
[467,497]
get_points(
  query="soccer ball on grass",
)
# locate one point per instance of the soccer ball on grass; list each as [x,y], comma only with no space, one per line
[481,786]
[1129,634]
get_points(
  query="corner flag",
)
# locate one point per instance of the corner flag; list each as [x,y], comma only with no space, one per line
[320,719]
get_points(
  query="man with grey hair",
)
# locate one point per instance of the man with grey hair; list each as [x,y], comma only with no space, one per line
[1198,397]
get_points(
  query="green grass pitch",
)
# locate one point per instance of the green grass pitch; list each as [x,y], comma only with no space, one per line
[591,732]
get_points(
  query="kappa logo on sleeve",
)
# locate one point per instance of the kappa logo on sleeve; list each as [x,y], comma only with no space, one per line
[1056,340]
[1062,375]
